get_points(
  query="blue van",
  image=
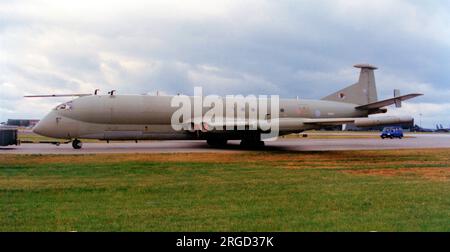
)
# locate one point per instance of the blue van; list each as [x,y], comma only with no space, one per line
[392,132]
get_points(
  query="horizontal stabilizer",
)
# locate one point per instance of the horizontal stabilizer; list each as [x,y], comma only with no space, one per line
[384,103]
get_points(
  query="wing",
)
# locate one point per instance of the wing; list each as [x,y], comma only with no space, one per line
[225,124]
[296,124]
[330,121]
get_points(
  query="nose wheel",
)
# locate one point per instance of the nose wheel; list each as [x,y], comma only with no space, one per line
[77,144]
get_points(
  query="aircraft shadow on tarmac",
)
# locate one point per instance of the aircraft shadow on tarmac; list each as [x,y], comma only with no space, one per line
[7,148]
[188,147]
[237,147]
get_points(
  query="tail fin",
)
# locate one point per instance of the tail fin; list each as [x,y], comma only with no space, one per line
[362,92]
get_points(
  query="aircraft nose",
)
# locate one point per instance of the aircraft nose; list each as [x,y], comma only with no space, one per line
[38,129]
[45,127]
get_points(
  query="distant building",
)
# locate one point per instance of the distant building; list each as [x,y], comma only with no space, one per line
[22,122]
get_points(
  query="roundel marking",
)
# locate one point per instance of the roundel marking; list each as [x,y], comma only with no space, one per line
[317,113]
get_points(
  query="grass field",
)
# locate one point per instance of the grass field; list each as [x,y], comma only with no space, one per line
[404,190]
[31,137]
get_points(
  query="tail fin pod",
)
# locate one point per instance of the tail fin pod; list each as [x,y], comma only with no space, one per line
[362,92]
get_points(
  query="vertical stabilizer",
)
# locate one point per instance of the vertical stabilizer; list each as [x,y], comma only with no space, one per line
[361,93]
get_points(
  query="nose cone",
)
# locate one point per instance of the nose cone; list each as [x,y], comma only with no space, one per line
[46,126]
[38,128]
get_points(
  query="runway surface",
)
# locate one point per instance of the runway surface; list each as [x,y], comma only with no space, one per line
[296,144]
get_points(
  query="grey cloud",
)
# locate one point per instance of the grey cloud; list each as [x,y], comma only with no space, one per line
[303,48]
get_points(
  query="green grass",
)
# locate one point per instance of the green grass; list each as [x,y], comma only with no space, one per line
[226,192]
[35,138]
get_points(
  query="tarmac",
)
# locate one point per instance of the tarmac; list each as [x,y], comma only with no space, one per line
[413,141]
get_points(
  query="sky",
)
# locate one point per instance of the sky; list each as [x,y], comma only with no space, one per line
[290,48]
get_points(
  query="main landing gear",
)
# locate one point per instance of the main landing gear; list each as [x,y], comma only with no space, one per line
[217,142]
[77,144]
[252,142]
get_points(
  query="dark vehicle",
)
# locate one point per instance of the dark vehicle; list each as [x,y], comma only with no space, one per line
[392,132]
[8,136]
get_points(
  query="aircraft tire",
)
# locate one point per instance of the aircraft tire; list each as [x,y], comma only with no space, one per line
[77,144]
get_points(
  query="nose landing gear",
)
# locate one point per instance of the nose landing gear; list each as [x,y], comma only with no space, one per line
[77,144]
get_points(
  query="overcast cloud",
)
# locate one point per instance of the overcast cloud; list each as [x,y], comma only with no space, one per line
[290,48]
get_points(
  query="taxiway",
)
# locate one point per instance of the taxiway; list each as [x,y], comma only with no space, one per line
[296,144]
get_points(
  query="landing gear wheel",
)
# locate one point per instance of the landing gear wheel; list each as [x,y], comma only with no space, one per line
[77,144]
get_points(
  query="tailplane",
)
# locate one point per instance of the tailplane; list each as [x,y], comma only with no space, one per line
[361,93]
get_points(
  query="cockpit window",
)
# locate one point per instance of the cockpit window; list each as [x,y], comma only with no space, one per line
[64,106]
